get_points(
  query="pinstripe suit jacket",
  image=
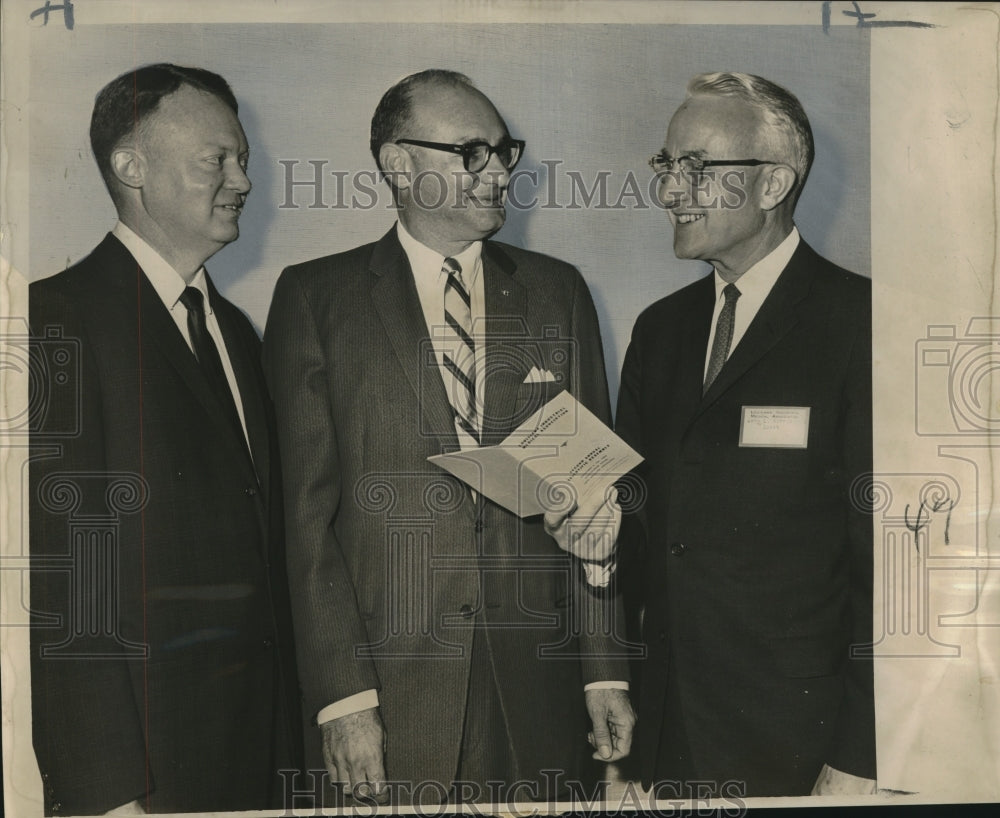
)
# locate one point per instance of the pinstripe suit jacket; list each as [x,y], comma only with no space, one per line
[390,559]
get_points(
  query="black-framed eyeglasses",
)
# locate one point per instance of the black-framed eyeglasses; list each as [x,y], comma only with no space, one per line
[476,155]
[663,163]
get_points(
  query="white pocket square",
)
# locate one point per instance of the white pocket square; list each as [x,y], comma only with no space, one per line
[537,375]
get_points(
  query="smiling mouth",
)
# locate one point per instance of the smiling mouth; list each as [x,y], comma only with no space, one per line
[488,201]
[234,208]
[688,218]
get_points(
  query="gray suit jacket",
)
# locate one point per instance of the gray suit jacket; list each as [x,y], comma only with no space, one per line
[390,559]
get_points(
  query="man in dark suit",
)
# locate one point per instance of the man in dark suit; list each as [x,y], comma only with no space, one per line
[162,664]
[749,394]
[441,639]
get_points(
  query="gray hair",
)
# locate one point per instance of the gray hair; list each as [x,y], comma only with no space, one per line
[786,126]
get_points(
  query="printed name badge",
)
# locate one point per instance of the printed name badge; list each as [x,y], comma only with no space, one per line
[784,427]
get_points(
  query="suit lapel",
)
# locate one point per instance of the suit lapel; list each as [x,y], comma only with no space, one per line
[777,315]
[397,303]
[505,368]
[245,368]
[695,330]
[159,332]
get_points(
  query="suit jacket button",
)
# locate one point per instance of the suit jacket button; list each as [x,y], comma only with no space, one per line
[268,643]
[479,526]
[677,549]
[663,636]
[466,611]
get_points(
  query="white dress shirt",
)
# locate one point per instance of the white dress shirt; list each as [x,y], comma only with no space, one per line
[169,285]
[430,280]
[754,286]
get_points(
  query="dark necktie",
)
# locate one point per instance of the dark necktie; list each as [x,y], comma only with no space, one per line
[460,352]
[723,335]
[208,354]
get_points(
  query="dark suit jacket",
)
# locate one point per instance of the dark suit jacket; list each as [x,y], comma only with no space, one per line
[141,484]
[756,563]
[389,560]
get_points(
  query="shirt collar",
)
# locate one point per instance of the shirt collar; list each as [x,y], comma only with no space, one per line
[759,279]
[168,283]
[426,262]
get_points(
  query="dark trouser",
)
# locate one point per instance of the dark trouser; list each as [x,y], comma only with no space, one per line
[485,755]
[673,757]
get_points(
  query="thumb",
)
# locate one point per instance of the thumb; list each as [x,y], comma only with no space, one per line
[602,738]
[554,519]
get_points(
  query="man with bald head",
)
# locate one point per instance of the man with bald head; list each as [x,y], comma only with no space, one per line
[162,671]
[749,394]
[443,642]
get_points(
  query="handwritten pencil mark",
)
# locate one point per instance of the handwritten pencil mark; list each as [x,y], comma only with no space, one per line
[944,504]
[868,20]
[65,7]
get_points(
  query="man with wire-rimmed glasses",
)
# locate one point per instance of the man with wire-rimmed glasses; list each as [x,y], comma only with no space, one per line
[749,395]
[445,644]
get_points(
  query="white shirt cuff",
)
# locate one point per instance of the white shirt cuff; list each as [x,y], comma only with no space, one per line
[364,700]
[606,686]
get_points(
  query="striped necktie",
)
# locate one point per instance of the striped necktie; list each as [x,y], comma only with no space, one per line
[460,352]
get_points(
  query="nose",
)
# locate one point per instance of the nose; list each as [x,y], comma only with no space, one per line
[672,188]
[495,172]
[237,179]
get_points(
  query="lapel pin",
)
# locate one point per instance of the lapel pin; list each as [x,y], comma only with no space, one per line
[505,292]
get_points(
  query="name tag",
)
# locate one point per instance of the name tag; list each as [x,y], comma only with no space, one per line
[784,427]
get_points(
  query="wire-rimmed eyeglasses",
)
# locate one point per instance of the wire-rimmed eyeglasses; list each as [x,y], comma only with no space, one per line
[664,163]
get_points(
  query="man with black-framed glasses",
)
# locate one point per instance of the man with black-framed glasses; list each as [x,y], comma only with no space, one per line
[749,394]
[444,644]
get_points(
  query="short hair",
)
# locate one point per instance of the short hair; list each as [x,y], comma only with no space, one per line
[126,102]
[785,120]
[394,112]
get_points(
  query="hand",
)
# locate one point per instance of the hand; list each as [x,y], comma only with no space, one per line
[131,808]
[588,532]
[354,752]
[613,719]
[834,782]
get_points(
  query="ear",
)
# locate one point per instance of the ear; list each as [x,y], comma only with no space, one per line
[396,164]
[777,185]
[129,166]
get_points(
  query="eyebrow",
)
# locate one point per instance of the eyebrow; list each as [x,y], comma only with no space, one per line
[211,150]
[465,140]
[696,153]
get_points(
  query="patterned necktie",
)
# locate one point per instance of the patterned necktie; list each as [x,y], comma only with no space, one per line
[723,335]
[208,354]
[460,351]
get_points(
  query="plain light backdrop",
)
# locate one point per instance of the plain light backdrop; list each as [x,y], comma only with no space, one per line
[590,100]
